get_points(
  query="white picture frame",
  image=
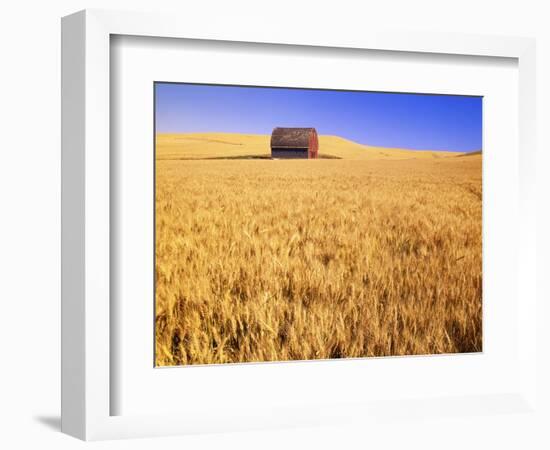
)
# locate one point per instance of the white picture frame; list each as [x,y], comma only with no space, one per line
[87,386]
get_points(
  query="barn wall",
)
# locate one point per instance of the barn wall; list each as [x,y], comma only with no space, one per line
[313,145]
[289,153]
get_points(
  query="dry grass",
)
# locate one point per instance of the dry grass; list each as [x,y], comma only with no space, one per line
[260,260]
[228,145]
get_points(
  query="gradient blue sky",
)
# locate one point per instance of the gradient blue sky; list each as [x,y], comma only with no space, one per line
[415,121]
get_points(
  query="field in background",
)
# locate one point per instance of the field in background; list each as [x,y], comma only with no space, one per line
[229,145]
[260,260]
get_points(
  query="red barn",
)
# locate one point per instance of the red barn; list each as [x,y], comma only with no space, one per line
[294,143]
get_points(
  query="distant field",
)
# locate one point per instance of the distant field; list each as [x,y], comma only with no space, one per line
[375,254]
[227,145]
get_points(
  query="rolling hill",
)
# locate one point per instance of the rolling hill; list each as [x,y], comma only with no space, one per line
[245,146]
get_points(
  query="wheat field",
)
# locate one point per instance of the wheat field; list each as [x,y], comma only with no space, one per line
[375,254]
[183,146]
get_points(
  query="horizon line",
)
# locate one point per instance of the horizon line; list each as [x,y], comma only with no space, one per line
[326,135]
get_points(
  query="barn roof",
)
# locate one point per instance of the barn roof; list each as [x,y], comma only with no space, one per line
[291,137]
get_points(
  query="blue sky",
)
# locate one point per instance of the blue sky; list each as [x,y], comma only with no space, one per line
[415,121]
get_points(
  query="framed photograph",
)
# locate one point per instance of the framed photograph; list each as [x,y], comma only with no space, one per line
[267,229]
[306,243]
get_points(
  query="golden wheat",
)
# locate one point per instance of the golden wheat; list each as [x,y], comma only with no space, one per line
[234,145]
[260,260]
